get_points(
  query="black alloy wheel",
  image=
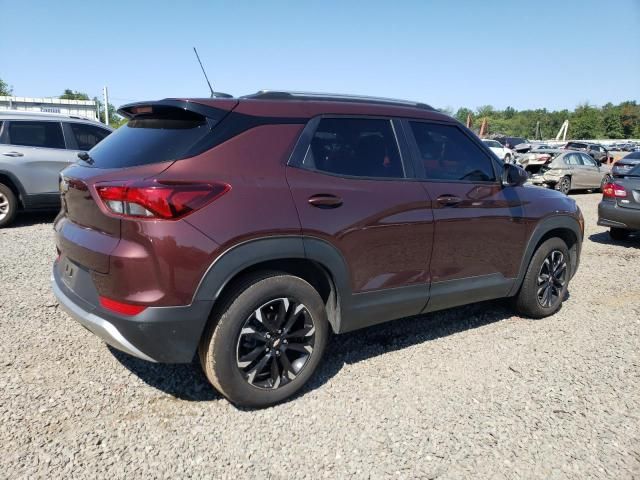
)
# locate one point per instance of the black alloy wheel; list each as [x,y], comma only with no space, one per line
[275,343]
[552,279]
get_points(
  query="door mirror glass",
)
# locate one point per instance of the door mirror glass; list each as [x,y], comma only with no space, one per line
[513,175]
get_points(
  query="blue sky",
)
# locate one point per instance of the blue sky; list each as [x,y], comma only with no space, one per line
[542,53]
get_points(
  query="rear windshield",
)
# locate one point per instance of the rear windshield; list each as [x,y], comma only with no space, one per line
[154,138]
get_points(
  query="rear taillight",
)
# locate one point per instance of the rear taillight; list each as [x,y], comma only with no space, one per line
[613,190]
[158,199]
[121,308]
[545,158]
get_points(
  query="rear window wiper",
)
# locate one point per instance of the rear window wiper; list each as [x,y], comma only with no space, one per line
[84,156]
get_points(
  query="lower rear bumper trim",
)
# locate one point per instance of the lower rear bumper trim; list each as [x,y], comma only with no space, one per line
[98,326]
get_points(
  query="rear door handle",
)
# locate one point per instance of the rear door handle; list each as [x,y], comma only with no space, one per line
[449,200]
[325,201]
[13,154]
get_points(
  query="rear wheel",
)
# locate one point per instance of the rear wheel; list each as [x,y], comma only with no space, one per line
[507,158]
[619,233]
[266,341]
[564,185]
[546,281]
[8,205]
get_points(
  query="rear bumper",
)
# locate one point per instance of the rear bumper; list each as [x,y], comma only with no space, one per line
[611,215]
[158,334]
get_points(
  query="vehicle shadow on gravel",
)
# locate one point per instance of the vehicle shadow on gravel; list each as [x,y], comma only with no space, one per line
[603,237]
[188,382]
[32,218]
[185,381]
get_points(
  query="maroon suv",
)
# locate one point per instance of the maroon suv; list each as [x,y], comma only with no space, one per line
[250,228]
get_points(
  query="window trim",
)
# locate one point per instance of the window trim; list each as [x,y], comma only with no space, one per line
[418,166]
[304,144]
[8,136]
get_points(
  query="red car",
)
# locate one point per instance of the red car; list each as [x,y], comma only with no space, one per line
[248,229]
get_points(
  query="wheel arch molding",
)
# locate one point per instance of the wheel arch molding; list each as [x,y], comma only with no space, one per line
[312,259]
[565,227]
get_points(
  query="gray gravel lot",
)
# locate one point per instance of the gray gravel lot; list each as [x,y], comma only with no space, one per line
[473,392]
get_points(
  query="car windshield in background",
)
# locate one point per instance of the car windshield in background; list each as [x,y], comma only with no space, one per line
[632,156]
[149,139]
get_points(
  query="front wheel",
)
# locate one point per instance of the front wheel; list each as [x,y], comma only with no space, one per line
[8,205]
[606,179]
[564,185]
[266,341]
[507,158]
[546,281]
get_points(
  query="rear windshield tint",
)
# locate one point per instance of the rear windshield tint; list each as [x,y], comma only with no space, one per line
[154,138]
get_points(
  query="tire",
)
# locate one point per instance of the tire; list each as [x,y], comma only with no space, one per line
[228,348]
[606,179]
[619,233]
[528,301]
[564,185]
[8,205]
[507,158]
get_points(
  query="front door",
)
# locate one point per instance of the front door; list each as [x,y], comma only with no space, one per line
[480,233]
[352,190]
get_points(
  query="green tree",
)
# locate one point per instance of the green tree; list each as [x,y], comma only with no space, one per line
[73,95]
[461,115]
[5,88]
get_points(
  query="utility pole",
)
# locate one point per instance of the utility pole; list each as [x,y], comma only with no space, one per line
[106,106]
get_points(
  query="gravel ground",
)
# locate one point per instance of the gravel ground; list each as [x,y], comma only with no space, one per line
[473,392]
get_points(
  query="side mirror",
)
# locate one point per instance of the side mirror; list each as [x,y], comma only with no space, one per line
[513,175]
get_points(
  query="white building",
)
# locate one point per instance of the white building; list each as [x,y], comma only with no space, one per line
[78,108]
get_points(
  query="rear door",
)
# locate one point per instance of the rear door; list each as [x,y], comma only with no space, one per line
[480,233]
[355,191]
[592,173]
[37,153]
[573,161]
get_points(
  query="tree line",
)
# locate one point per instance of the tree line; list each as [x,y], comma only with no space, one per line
[585,121]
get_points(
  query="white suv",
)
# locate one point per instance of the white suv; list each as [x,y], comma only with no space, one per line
[34,147]
[501,151]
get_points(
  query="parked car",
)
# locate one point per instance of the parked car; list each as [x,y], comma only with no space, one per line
[625,164]
[34,147]
[572,170]
[535,159]
[620,206]
[506,154]
[598,152]
[517,144]
[250,228]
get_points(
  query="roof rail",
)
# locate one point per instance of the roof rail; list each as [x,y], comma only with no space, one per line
[332,97]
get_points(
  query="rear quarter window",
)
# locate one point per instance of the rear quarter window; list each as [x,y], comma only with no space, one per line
[87,136]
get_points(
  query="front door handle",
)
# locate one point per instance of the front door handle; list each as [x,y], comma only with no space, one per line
[325,201]
[13,154]
[449,200]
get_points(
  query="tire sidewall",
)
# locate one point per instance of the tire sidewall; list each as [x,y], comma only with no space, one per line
[527,300]
[13,205]
[222,347]
[559,185]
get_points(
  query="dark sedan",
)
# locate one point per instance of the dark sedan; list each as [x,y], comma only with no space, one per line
[625,164]
[620,206]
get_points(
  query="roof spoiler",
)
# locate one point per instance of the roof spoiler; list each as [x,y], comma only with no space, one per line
[131,110]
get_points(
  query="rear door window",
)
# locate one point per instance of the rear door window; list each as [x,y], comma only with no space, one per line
[357,147]
[36,134]
[588,161]
[87,136]
[572,159]
[450,155]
